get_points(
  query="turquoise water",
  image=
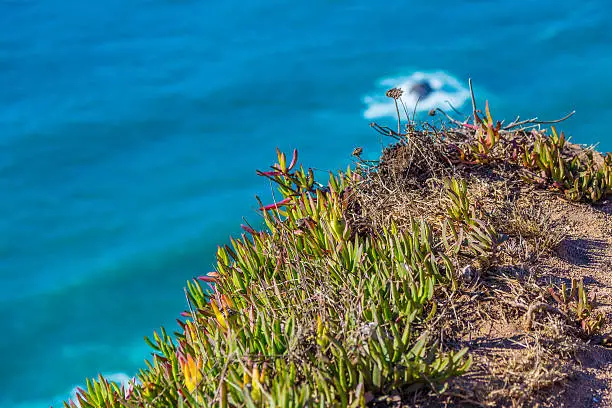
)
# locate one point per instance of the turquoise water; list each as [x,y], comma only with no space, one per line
[130,133]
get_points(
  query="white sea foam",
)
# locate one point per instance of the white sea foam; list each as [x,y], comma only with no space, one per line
[445,90]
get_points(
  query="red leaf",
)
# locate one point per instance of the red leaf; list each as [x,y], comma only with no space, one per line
[269,173]
[248,229]
[209,277]
[293,160]
[469,126]
[276,205]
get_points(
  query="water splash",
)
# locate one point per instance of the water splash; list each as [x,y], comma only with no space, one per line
[445,89]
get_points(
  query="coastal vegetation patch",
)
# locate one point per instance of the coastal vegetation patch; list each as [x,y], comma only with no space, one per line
[419,279]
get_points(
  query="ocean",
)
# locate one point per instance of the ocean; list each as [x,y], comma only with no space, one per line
[130,133]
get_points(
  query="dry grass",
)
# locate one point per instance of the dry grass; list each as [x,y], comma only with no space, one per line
[524,345]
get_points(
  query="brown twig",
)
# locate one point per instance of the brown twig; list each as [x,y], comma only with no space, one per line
[536,307]
[386,131]
[452,120]
[535,121]
[399,119]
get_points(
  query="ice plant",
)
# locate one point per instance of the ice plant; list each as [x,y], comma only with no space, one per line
[580,307]
[277,205]
[210,277]
[219,315]
[248,229]
[191,372]
[546,159]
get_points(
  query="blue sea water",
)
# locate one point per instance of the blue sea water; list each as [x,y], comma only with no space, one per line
[130,132]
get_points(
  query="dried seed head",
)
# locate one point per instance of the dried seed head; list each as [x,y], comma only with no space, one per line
[394,93]
[357,151]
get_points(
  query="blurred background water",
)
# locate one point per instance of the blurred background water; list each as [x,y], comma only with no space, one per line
[130,133]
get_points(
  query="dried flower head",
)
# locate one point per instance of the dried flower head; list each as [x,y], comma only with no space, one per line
[394,93]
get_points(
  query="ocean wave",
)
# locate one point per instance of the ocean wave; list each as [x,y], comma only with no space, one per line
[445,89]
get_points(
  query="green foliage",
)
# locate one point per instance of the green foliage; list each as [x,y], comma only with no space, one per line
[487,136]
[99,393]
[575,301]
[580,179]
[463,232]
[547,160]
[306,312]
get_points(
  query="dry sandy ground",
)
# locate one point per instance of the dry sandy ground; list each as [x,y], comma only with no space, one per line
[586,253]
[513,367]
